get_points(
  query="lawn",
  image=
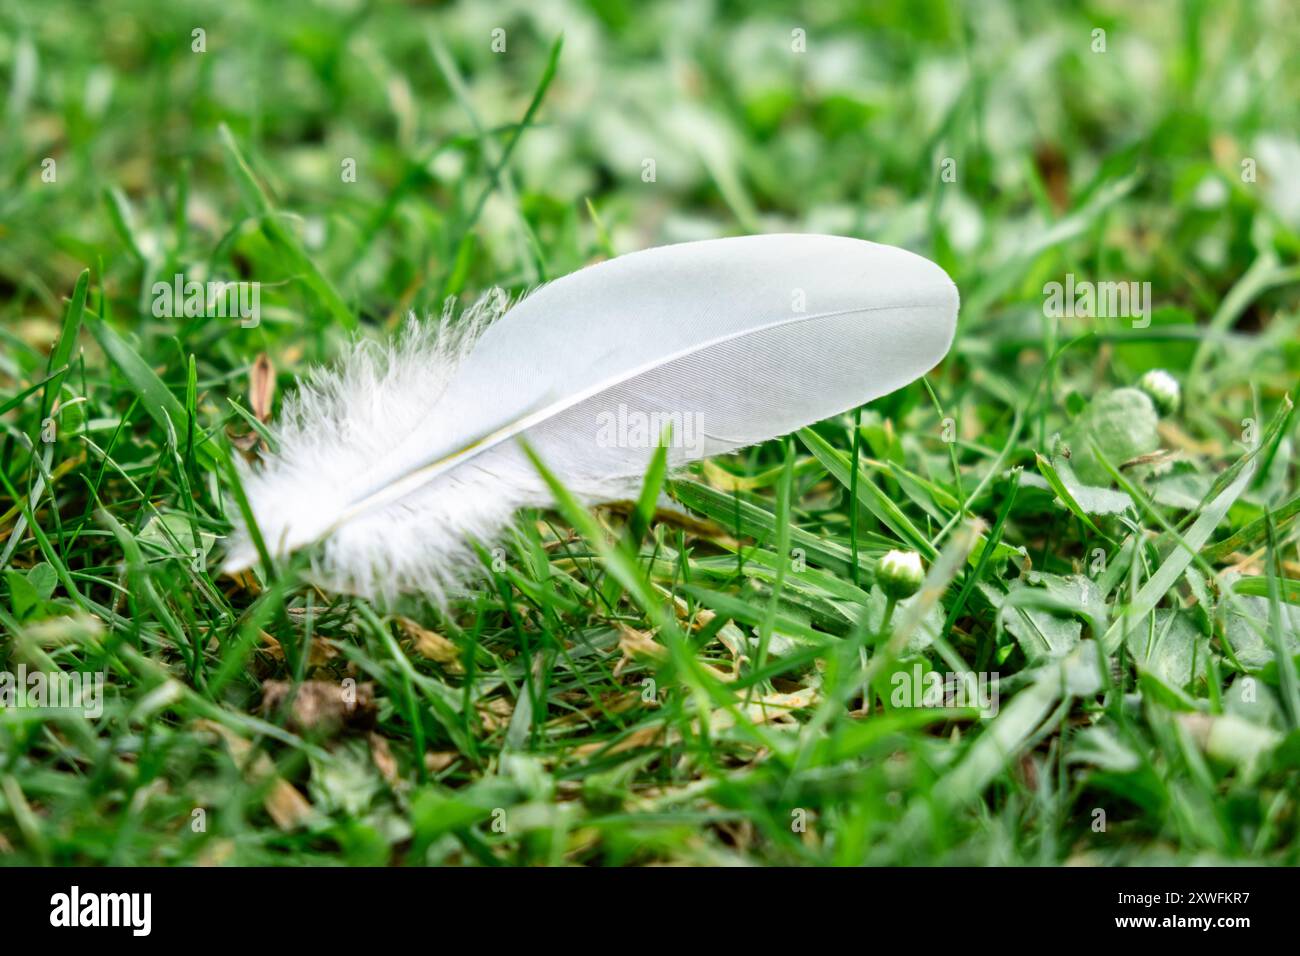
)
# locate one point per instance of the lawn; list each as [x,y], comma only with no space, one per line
[1103,664]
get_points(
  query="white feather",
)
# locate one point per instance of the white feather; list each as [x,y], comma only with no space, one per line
[405,455]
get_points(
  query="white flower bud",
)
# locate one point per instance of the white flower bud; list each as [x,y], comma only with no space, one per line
[899,574]
[1162,388]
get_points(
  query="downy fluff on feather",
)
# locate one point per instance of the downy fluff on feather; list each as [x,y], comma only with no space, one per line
[404,456]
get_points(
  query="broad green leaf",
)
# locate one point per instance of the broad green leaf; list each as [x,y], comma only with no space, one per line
[1174,650]
[1122,423]
[1091,498]
[1065,495]
[1245,624]
[1046,613]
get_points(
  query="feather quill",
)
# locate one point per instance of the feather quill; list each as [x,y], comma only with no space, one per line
[405,454]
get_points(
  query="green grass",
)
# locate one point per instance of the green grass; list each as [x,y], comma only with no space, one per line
[628,687]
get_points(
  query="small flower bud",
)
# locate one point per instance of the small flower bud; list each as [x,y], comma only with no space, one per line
[1162,388]
[899,574]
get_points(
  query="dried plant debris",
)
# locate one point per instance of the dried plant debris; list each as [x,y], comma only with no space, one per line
[319,706]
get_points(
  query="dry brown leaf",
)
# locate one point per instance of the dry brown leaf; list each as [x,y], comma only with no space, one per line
[1158,457]
[382,757]
[634,643]
[692,622]
[674,517]
[244,442]
[261,387]
[431,645]
[614,703]
[1053,167]
[321,706]
[319,654]
[739,833]
[439,760]
[287,807]
[1175,437]
[1225,150]
[719,479]
[642,737]
[495,713]
[216,852]
[246,581]
[774,708]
